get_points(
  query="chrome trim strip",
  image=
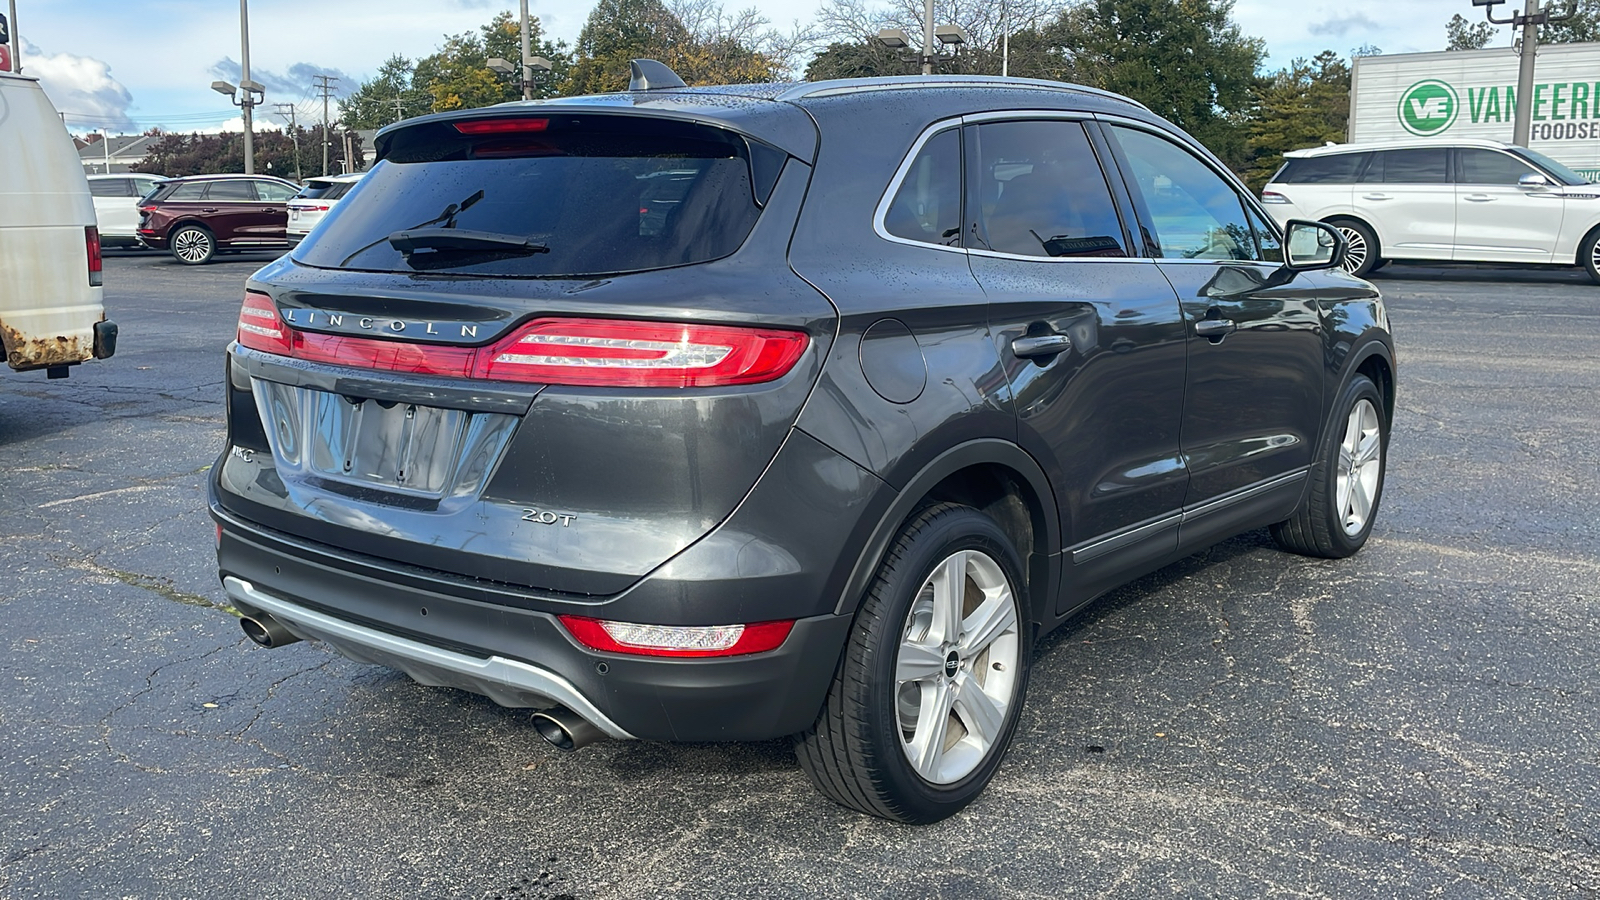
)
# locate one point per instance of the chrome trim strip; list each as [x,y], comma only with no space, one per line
[1217,504]
[882,211]
[1099,547]
[498,678]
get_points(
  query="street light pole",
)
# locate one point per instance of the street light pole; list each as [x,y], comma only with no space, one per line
[1532,16]
[927,37]
[16,42]
[249,99]
[527,57]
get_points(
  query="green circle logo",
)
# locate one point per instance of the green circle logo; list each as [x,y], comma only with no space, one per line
[1428,107]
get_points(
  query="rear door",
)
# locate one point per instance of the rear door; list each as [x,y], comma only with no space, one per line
[1091,337]
[1407,197]
[231,211]
[115,206]
[272,210]
[1496,219]
[1253,397]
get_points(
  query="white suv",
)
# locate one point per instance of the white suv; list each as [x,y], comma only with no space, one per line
[315,199]
[1460,201]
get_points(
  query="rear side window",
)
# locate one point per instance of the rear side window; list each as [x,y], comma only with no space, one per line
[109,187]
[273,191]
[1489,167]
[1041,192]
[1339,168]
[1422,165]
[569,196]
[230,190]
[190,190]
[927,207]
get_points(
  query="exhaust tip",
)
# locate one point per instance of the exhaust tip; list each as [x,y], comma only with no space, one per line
[565,730]
[266,631]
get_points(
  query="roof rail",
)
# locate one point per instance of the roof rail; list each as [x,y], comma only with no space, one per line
[840,86]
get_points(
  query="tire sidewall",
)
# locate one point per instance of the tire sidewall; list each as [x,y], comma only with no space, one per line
[951,531]
[1359,388]
[1371,238]
[1586,251]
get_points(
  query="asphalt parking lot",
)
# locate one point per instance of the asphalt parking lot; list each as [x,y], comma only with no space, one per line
[1419,720]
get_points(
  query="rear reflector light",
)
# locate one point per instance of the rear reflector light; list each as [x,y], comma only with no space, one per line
[677,640]
[590,352]
[1273,197]
[91,243]
[502,126]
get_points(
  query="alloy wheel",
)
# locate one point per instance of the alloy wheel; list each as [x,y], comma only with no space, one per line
[1360,466]
[1356,249]
[192,245]
[956,668]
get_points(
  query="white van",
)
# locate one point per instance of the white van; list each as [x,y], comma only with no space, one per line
[51,312]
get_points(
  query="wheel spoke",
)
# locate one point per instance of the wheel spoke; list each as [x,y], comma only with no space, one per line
[1360,504]
[1368,450]
[995,617]
[949,587]
[933,724]
[979,712]
[918,662]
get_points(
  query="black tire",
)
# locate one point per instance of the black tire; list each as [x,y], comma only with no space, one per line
[1586,254]
[857,754]
[192,245]
[1363,250]
[1324,525]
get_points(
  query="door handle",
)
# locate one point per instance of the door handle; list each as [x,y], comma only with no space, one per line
[1478,198]
[209,209]
[1375,197]
[1215,329]
[1034,346]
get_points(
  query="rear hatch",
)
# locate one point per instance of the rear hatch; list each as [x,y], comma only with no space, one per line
[550,349]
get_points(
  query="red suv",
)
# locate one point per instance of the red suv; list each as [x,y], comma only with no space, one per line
[196,217]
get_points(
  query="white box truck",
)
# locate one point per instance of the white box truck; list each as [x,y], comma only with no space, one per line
[1473,94]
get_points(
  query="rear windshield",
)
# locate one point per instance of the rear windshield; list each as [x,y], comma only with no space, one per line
[324,190]
[574,196]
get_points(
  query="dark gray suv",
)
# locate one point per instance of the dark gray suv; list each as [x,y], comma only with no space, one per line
[731,413]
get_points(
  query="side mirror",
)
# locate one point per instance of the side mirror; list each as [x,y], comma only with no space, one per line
[1534,180]
[1311,245]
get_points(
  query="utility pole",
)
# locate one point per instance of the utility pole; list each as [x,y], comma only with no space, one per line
[399,107]
[527,57]
[294,135]
[325,84]
[1532,16]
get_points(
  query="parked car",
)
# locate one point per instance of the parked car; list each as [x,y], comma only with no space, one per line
[318,196]
[116,206]
[905,373]
[199,216]
[1474,201]
[52,311]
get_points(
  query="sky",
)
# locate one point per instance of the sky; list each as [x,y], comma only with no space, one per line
[129,66]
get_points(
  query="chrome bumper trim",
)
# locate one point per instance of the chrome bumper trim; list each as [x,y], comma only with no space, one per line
[507,682]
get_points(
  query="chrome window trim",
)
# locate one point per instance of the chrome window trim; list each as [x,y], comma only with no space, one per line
[880,214]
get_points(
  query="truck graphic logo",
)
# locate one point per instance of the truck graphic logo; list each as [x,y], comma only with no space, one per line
[1428,107]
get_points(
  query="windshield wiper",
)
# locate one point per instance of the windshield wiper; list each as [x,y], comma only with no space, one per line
[459,239]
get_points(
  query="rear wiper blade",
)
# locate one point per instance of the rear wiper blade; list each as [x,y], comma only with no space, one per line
[412,240]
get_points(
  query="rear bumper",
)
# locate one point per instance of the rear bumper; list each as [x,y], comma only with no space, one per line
[514,650]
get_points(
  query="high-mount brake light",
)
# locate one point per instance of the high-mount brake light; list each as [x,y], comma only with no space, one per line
[677,640]
[587,352]
[502,126]
[640,354]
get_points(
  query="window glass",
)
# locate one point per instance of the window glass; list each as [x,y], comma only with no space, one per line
[1271,248]
[1339,168]
[230,190]
[144,187]
[1042,192]
[1423,165]
[271,190]
[109,187]
[1490,167]
[1196,214]
[191,190]
[928,205]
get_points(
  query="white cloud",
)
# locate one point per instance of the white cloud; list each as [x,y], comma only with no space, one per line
[81,87]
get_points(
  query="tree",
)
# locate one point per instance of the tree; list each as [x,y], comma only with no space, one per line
[618,31]
[1305,104]
[853,51]
[695,38]
[176,155]
[1459,34]
[457,75]
[1584,26]
[1185,59]
[387,97]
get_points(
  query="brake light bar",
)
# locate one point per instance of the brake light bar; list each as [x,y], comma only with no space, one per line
[566,351]
[518,125]
[677,640]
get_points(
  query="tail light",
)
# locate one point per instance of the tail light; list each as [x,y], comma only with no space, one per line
[1273,197]
[91,243]
[502,126]
[591,352]
[677,640]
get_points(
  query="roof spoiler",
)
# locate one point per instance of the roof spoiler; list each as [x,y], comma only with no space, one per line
[650,75]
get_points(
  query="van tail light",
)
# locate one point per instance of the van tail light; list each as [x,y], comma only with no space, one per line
[640,354]
[260,326]
[91,243]
[1273,197]
[588,352]
[677,640]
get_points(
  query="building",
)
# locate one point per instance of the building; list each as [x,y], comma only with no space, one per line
[119,153]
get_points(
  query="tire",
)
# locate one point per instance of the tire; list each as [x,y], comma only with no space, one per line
[1589,252]
[1336,516]
[192,245]
[1361,257]
[858,753]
